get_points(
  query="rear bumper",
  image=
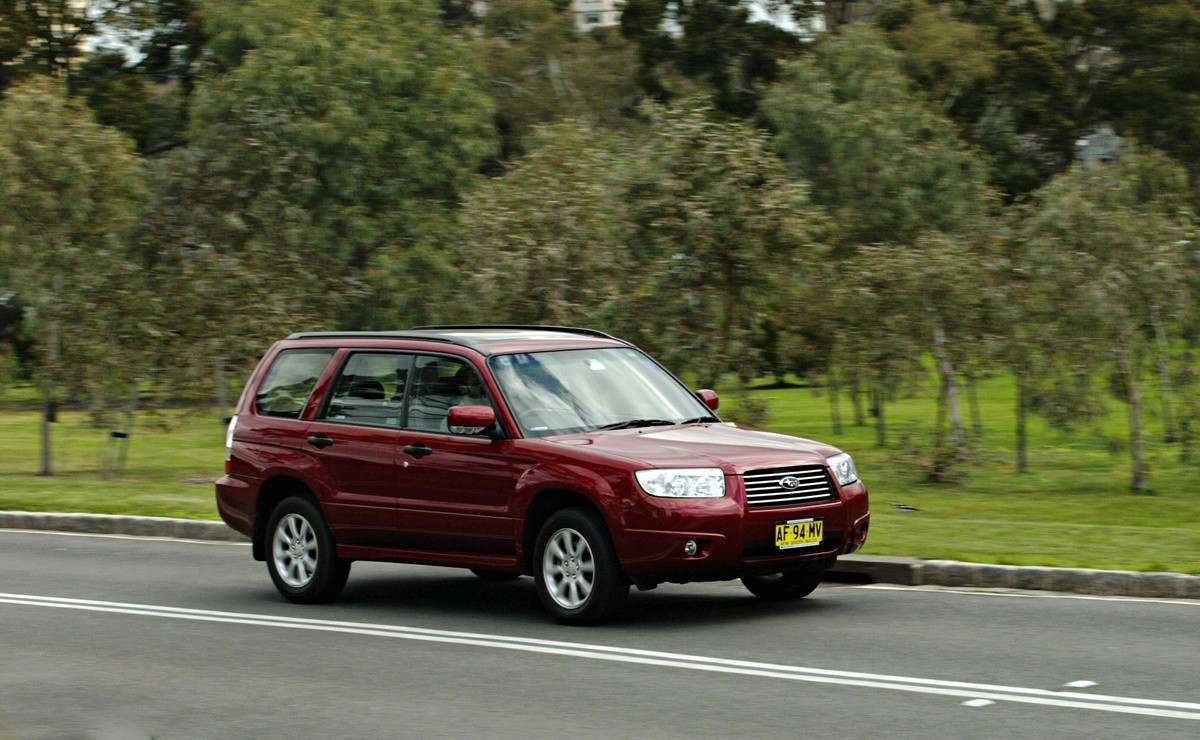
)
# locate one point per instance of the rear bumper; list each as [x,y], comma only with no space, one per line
[235,504]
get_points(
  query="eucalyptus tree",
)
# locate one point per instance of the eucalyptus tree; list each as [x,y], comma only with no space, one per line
[889,167]
[543,244]
[676,237]
[542,69]
[69,192]
[719,228]
[333,135]
[1107,237]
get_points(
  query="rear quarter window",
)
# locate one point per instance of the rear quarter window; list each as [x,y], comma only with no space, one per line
[291,379]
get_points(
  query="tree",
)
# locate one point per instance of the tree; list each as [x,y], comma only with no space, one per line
[675,238]
[711,43]
[43,36]
[69,191]
[1107,237]
[541,69]
[544,243]
[999,70]
[887,165]
[1142,60]
[335,134]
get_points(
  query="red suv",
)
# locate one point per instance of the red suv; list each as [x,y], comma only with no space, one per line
[565,454]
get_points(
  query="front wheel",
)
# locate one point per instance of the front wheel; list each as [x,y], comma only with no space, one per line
[301,556]
[792,584]
[576,573]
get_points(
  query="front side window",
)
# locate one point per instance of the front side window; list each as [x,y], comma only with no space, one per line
[370,389]
[563,392]
[290,380]
[440,383]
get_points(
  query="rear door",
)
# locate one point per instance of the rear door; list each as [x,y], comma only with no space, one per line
[355,438]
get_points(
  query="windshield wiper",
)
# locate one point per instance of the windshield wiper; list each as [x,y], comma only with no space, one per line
[700,420]
[635,423]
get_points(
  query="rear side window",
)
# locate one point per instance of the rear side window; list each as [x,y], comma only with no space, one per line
[370,390]
[290,380]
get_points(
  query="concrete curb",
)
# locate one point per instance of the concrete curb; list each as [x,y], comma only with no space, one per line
[913,572]
[137,526]
[850,568]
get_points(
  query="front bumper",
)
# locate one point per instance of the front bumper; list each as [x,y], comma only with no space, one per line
[731,539]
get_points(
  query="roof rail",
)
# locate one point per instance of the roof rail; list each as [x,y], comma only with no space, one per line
[522,327]
[370,335]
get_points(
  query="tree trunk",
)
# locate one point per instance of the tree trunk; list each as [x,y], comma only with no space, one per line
[1163,357]
[880,421]
[950,385]
[221,387]
[127,432]
[1022,413]
[47,417]
[835,403]
[856,399]
[1133,389]
[48,410]
[973,405]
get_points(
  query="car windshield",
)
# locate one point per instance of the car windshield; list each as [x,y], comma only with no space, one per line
[568,391]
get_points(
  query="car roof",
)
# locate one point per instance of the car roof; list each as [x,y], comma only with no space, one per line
[487,339]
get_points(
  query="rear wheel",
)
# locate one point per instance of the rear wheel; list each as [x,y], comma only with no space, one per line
[792,584]
[301,555]
[576,573]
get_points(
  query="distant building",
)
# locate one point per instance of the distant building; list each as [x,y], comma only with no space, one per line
[592,14]
[1101,144]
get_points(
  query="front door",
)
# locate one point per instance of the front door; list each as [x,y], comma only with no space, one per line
[455,492]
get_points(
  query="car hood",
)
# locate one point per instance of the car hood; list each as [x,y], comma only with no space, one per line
[734,449]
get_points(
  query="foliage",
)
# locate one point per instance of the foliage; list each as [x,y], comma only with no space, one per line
[716,45]
[673,238]
[69,190]
[540,69]
[1104,247]
[1143,59]
[887,165]
[333,133]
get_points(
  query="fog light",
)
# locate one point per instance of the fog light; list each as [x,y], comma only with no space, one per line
[690,548]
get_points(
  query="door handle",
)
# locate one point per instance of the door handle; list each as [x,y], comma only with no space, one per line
[320,441]
[418,450]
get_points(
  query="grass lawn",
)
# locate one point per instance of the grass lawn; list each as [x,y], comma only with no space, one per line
[1073,509]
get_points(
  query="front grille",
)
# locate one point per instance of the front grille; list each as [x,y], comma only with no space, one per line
[808,484]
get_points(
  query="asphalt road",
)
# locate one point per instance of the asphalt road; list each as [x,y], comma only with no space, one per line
[124,638]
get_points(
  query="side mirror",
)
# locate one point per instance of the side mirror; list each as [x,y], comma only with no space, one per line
[710,398]
[470,419]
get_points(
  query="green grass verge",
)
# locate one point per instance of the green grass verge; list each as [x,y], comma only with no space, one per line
[171,465]
[1073,509]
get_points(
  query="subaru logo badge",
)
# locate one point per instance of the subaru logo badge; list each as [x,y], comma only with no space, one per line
[791,483]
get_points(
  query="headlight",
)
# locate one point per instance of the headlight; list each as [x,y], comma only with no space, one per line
[683,482]
[843,468]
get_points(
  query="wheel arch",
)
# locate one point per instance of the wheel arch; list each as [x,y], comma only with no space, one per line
[546,504]
[270,494]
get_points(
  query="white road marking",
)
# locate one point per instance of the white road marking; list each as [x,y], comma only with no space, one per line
[978,703]
[963,690]
[1080,684]
[962,591]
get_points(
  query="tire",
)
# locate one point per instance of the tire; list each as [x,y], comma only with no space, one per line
[301,555]
[495,576]
[786,586]
[575,569]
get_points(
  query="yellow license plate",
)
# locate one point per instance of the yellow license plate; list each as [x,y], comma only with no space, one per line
[799,533]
